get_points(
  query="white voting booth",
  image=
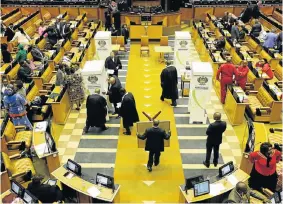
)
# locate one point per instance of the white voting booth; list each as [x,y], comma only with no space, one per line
[95,76]
[103,44]
[200,91]
[181,50]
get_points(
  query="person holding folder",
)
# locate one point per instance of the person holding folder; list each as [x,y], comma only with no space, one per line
[154,143]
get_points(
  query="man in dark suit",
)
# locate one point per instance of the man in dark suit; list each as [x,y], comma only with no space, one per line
[256,29]
[114,92]
[214,139]
[96,107]
[45,192]
[128,110]
[113,62]
[107,15]
[125,33]
[10,33]
[154,143]
[169,81]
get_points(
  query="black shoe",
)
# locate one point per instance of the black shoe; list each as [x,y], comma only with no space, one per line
[105,128]
[149,168]
[156,163]
[127,133]
[174,104]
[215,164]
[206,164]
[161,98]
[85,130]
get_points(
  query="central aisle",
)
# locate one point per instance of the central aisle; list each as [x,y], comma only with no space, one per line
[137,184]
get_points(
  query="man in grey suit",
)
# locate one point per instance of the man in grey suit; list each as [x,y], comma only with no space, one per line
[235,33]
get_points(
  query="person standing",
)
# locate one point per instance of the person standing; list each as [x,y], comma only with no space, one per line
[169,81]
[10,33]
[74,81]
[21,54]
[235,33]
[225,75]
[107,15]
[96,107]
[60,76]
[113,62]
[25,72]
[114,92]
[256,29]
[15,104]
[20,89]
[214,139]
[128,110]
[241,75]
[263,174]
[154,143]
[6,55]
[270,39]
[125,33]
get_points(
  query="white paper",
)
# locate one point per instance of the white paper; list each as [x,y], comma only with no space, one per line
[40,126]
[41,149]
[93,191]
[215,189]
[118,105]
[232,179]
[110,71]
[70,175]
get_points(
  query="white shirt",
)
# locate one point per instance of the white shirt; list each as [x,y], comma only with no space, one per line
[22,39]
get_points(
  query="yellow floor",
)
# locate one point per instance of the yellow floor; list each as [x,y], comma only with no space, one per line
[143,81]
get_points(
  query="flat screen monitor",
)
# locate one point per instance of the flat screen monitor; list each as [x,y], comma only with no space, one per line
[74,167]
[104,180]
[201,188]
[29,198]
[50,142]
[190,182]
[17,188]
[226,169]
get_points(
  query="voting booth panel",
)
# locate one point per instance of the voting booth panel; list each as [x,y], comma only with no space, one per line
[102,44]
[95,76]
[181,50]
[142,126]
[200,91]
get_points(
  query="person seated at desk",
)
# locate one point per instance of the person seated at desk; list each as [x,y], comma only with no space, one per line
[265,67]
[263,174]
[41,29]
[242,194]
[270,39]
[220,43]
[52,35]
[25,72]
[10,33]
[21,54]
[45,192]
[256,29]
[6,55]
[241,75]
[22,37]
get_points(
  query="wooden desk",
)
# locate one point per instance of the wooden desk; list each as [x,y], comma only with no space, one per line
[189,197]
[38,139]
[235,111]
[62,108]
[115,48]
[153,31]
[81,186]
[161,50]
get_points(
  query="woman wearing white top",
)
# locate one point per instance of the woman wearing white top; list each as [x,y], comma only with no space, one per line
[22,37]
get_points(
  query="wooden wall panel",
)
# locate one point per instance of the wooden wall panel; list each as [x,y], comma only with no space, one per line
[91,13]
[186,14]
[72,12]
[28,10]
[219,11]
[200,13]
[237,10]
[267,10]
[101,14]
[6,10]
[146,3]
[54,11]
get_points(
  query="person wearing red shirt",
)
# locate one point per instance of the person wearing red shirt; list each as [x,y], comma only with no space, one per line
[264,173]
[225,75]
[265,68]
[242,75]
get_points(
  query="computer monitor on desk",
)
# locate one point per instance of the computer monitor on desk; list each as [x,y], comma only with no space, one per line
[106,181]
[29,198]
[190,182]
[74,167]
[17,188]
[50,142]
[226,169]
[201,188]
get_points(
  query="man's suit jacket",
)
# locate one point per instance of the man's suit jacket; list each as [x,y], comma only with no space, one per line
[154,139]
[256,29]
[235,33]
[110,64]
[114,91]
[214,132]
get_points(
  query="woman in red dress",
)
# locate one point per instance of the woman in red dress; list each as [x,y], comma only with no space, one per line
[265,68]
[264,173]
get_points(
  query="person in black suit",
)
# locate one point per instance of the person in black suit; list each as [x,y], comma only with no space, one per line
[113,62]
[10,33]
[52,36]
[128,110]
[256,29]
[96,107]
[114,92]
[107,15]
[45,192]
[154,143]
[214,139]
[6,55]
[220,43]
[125,33]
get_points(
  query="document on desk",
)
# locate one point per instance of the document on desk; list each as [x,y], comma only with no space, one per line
[41,149]
[215,189]
[232,179]
[40,126]
[93,191]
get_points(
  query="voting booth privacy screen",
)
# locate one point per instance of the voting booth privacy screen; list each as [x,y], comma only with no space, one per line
[103,44]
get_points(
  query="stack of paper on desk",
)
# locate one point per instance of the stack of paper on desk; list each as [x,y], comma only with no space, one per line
[93,191]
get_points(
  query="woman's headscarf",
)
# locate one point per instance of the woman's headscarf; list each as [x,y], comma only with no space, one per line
[20,47]
[9,91]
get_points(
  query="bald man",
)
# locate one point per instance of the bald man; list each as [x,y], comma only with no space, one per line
[114,92]
[214,139]
[154,143]
[242,194]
